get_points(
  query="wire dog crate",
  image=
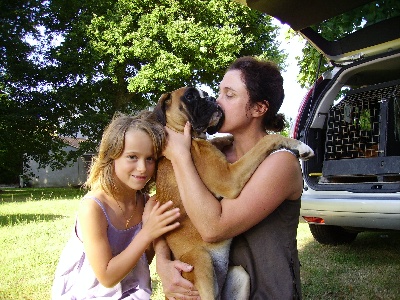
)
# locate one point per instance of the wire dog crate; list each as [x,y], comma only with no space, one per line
[363,133]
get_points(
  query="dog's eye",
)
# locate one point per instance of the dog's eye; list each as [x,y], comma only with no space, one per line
[190,96]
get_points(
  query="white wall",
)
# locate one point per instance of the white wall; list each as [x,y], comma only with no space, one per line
[73,175]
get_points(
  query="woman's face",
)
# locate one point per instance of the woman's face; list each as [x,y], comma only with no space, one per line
[234,101]
[136,165]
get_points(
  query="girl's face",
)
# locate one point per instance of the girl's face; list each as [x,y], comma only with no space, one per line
[136,165]
[234,101]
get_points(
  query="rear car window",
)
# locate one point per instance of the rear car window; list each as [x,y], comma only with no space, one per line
[357,19]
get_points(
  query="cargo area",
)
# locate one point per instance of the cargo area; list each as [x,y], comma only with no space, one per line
[363,136]
[357,144]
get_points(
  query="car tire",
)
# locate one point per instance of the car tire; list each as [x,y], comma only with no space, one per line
[332,235]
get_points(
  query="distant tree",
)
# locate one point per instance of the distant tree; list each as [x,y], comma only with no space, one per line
[21,127]
[68,66]
[286,130]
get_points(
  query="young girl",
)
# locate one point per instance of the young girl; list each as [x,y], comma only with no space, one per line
[109,252]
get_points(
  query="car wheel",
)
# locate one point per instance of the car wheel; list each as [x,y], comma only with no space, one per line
[332,235]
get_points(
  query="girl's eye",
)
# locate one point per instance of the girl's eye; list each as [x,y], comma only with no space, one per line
[133,157]
[151,159]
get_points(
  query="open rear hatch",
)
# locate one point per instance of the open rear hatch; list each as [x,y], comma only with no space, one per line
[352,119]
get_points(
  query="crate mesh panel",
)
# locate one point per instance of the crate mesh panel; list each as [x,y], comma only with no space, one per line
[354,124]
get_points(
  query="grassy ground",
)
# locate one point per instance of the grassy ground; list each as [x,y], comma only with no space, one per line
[36,223]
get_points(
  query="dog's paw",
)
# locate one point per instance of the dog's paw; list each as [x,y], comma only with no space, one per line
[304,151]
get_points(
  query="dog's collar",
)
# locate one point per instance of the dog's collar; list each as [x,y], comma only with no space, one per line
[173,129]
[193,137]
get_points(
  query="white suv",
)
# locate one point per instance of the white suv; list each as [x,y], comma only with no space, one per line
[350,117]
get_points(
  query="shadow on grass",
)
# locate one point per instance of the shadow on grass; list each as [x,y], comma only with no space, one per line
[364,269]
[17,219]
[8,195]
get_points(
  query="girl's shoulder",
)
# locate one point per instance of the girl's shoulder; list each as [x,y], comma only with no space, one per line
[92,208]
[92,202]
[99,197]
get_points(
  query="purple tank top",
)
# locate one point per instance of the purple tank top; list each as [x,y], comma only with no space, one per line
[75,279]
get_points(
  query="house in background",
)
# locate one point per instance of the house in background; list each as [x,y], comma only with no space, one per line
[70,175]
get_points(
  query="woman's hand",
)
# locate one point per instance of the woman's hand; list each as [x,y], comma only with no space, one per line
[174,285]
[178,144]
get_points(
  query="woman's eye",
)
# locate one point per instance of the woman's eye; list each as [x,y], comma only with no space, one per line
[134,157]
[151,159]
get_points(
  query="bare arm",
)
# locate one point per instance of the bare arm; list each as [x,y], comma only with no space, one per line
[110,270]
[277,178]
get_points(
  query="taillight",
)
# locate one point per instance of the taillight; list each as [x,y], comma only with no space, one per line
[314,220]
[294,130]
[295,127]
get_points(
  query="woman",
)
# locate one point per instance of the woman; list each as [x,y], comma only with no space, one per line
[263,219]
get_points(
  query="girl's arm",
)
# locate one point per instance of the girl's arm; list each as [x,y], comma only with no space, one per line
[278,178]
[111,270]
[150,203]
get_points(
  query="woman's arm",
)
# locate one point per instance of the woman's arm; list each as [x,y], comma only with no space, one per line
[276,179]
[111,270]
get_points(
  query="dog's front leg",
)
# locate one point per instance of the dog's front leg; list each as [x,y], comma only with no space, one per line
[203,275]
[227,180]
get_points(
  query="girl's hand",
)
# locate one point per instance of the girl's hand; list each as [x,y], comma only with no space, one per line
[178,144]
[148,208]
[160,218]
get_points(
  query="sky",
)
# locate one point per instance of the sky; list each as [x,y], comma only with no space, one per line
[293,92]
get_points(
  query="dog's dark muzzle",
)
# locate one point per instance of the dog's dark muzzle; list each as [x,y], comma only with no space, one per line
[204,113]
[218,120]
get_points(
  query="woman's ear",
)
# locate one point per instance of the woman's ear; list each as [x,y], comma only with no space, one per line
[260,108]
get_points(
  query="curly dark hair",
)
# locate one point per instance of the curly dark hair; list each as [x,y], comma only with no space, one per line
[264,82]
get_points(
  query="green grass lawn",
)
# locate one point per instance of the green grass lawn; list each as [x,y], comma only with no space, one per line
[36,223]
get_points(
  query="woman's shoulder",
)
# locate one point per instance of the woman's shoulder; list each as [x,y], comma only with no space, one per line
[283,158]
[283,169]
[278,169]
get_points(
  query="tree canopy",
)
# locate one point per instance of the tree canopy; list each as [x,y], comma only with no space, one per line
[67,66]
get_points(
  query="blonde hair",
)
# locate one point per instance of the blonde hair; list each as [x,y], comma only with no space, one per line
[101,174]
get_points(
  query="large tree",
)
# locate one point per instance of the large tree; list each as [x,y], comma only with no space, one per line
[22,129]
[68,66]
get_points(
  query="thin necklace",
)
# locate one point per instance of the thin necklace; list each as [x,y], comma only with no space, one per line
[127,220]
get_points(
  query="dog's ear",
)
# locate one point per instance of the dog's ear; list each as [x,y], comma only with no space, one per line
[159,110]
